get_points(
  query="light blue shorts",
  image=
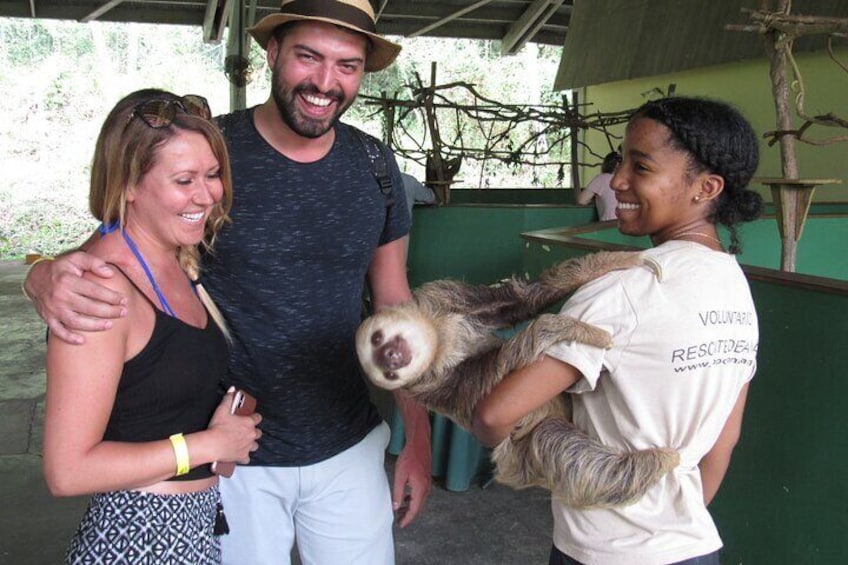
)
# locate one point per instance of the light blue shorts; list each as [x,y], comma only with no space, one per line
[339,510]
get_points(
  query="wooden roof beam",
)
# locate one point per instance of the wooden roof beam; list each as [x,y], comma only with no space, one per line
[215,19]
[98,12]
[378,13]
[449,18]
[526,26]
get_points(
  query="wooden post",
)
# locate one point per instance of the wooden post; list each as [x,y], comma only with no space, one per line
[791,195]
[787,199]
[575,170]
[236,47]
[436,178]
[389,112]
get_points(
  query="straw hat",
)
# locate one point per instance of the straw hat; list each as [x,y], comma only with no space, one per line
[356,15]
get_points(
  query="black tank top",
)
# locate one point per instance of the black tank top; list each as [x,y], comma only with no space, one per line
[171,386]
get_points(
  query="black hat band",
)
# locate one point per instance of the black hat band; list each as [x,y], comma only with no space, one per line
[330,9]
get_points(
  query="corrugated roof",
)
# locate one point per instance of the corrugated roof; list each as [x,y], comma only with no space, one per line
[611,40]
[514,21]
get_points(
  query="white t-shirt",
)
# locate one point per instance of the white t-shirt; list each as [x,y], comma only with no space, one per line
[685,343]
[604,196]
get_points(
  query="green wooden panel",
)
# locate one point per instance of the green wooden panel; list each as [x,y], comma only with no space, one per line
[820,208]
[478,244]
[785,497]
[512,196]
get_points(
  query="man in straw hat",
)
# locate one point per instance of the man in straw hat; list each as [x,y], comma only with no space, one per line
[309,224]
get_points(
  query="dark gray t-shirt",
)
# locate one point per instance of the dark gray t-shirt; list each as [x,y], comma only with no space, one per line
[288,274]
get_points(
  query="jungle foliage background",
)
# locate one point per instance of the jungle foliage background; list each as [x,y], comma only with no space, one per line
[60,79]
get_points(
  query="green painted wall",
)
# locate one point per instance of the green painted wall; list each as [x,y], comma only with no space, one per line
[746,85]
[785,497]
[479,243]
[512,196]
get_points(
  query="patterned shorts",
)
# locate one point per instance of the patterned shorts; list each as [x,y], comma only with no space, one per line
[139,528]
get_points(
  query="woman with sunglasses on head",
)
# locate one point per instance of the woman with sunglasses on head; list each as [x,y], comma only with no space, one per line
[684,332]
[135,415]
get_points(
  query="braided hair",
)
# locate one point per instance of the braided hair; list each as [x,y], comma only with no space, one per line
[717,139]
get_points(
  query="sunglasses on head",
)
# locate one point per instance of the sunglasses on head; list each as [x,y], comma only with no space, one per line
[160,113]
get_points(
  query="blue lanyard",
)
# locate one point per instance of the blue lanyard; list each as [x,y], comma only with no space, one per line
[131,244]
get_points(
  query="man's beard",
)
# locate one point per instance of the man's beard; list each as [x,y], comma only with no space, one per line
[302,125]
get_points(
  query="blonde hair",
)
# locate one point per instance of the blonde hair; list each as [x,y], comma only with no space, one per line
[127,149]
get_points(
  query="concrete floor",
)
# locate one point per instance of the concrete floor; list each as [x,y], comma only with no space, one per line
[492,526]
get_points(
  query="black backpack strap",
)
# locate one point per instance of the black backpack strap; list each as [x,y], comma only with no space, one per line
[379,163]
[224,123]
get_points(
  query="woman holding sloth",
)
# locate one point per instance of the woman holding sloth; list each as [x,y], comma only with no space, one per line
[685,339]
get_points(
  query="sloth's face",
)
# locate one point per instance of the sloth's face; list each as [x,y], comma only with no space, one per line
[396,347]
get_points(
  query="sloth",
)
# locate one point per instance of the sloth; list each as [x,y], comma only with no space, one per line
[443,351]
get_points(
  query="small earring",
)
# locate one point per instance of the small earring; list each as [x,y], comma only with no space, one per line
[697,199]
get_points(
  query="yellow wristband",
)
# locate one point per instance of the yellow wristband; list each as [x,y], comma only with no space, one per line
[33,264]
[181,453]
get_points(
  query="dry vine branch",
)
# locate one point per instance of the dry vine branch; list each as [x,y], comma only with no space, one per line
[833,56]
[788,27]
[499,125]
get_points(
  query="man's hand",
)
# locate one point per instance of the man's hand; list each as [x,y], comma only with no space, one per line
[68,302]
[389,286]
[412,470]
